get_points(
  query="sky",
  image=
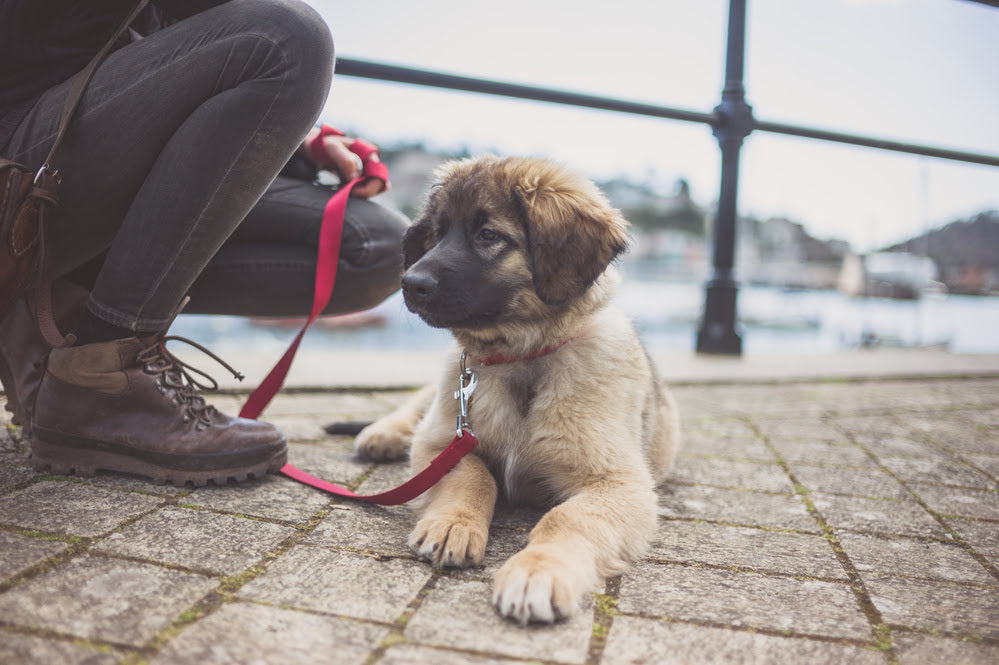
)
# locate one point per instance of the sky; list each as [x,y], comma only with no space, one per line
[924,71]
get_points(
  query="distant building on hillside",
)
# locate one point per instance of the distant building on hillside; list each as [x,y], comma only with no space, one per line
[889,275]
[780,252]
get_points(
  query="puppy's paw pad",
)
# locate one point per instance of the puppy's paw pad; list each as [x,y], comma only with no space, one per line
[381,442]
[449,541]
[536,589]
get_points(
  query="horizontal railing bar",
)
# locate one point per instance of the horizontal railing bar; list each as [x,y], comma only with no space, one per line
[395,73]
[872,142]
[398,74]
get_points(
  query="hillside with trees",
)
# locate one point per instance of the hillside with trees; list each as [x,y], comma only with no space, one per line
[966,253]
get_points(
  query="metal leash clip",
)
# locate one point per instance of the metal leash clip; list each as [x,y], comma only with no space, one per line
[466,386]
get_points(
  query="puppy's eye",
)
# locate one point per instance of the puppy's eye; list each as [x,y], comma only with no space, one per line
[487,235]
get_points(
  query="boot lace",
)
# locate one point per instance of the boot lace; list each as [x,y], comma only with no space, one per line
[178,377]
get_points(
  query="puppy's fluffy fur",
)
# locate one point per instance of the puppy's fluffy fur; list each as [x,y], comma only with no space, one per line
[514,256]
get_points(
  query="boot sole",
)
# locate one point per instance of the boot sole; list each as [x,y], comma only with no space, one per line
[65,460]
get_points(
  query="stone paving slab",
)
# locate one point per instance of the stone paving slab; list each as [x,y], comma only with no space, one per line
[365,528]
[746,547]
[18,553]
[72,509]
[271,635]
[445,619]
[745,600]
[937,607]
[640,641]
[882,516]
[342,583]
[273,498]
[982,536]
[807,522]
[410,654]
[17,648]
[198,540]
[733,473]
[869,483]
[909,557]
[107,600]
[736,506]
[14,469]
[972,503]
[918,649]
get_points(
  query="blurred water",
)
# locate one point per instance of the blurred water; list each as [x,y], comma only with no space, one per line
[666,315]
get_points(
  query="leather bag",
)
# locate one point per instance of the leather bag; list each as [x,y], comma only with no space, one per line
[24,208]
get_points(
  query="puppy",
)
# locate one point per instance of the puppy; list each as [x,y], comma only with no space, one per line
[513,256]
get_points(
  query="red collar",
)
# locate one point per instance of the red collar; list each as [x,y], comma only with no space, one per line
[500,359]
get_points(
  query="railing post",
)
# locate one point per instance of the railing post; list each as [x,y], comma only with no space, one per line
[718,331]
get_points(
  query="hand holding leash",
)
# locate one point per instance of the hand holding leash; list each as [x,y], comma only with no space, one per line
[350,158]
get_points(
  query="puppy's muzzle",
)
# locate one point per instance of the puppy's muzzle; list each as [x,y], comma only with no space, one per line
[418,287]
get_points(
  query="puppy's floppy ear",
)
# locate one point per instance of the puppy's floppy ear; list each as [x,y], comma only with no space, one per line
[419,237]
[573,233]
[416,241]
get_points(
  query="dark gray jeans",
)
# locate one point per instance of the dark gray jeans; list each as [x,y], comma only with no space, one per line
[170,174]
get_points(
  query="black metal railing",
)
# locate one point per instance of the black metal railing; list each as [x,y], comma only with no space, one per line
[731,121]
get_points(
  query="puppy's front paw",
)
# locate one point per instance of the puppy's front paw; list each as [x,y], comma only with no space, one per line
[452,541]
[382,442]
[538,586]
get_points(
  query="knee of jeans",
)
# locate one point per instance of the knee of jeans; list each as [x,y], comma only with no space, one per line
[304,42]
[379,230]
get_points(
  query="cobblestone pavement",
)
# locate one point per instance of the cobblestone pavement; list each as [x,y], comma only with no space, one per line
[815,522]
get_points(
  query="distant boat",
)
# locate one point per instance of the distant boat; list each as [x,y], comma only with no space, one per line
[889,275]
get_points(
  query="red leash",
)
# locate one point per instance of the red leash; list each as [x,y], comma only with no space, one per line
[330,233]
[412,488]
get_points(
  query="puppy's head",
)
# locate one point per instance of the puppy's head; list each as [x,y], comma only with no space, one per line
[501,238]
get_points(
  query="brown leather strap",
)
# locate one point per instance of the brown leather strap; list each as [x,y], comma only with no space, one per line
[47,182]
[80,84]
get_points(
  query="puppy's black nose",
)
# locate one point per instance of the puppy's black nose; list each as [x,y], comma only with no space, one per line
[418,285]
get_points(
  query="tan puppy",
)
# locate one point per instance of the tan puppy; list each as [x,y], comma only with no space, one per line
[513,256]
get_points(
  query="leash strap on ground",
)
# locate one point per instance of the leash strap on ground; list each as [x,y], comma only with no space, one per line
[412,488]
[330,233]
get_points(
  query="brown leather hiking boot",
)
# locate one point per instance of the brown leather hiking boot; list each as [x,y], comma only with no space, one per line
[23,349]
[131,406]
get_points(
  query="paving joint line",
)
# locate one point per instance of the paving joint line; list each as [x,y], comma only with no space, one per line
[484,656]
[761,527]
[97,646]
[78,546]
[397,628]
[950,634]
[228,586]
[751,571]
[938,517]
[605,608]
[957,454]
[693,483]
[880,630]
[870,644]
